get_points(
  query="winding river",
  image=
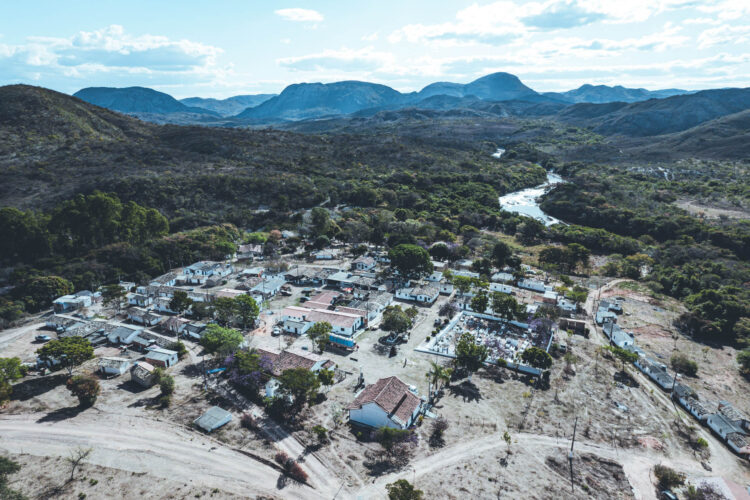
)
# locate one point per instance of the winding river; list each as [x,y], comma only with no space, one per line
[525,201]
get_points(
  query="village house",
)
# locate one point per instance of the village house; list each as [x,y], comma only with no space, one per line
[195,330]
[143,374]
[161,304]
[616,335]
[123,335]
[161,357]
[169,279]
[502,288]
[576,326]
[289,359]
[140,300]
[688,399]
[298,320]
[387,403]
[213,418]
[531,284]
[363,263]
[502,277]
[464,273]
[269,287]
[73,302]
[114,366]
[249,252]
[175,325]
[656,371]
[199,272]
[423,294]
[144,316]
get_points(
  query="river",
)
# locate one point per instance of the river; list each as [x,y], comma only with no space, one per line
[525,201]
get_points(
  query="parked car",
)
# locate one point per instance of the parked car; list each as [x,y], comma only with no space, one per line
[43,338]
[276,331]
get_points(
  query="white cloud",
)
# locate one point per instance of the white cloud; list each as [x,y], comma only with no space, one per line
[364,60]
[110,51]
[724,35]
[300,15]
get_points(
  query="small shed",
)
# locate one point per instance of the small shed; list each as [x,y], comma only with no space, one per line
[161,357]
[143,374]
[214,418]
[114,366]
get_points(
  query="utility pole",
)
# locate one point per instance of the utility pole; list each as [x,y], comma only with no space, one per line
[570,455]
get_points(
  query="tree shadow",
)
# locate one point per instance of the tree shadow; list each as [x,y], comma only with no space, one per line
[495,374]
[626,378]
[61,414]
[192,370]
[132,387]
[466,390]
[34,387]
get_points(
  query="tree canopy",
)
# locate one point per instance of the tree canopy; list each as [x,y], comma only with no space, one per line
[220,340]
[69,351]
[410,260]
[469,355]
[536,357]
[395,320]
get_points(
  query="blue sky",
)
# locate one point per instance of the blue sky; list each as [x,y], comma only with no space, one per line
[220,48]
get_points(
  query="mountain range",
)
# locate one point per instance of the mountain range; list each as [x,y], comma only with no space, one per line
[306,101]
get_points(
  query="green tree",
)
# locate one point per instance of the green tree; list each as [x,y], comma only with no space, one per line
[469,355]
[479,302]
[10,369]
[743,359]
[180,349]
[507,439]
[39,292]
[326,377]
[536,357]
[395,320]
[220,340]
[69,351]
[403,490]
[180,302]
[668,478]
[113,295]
[247,310]
[300,384]
[319,334]
[500,253]
[410,260]
[505,306]
[682,364]
[623,355]
[224,310]
[8,467]
[462,283]
[437,376]
[85,388]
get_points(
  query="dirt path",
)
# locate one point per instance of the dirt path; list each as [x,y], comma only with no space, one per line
[148,446]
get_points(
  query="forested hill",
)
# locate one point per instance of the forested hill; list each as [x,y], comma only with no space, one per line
[54,146]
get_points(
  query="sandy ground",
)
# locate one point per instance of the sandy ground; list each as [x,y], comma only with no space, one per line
[709,212]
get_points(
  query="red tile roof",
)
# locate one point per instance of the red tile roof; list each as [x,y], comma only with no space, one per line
[392,395]
[287,360]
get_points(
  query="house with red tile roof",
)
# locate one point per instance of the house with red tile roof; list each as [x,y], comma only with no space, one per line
[389,402]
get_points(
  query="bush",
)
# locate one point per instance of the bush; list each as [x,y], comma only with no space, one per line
[86,389]
[249,422]
[165,400]
[281,458]
[166,384]
[668,478]
[682,364]
[321,433]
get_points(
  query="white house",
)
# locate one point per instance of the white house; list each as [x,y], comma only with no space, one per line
[161,357]
[424,294]
[161,304]
[114,366]
[298,320]
[502,288]
[617,335]
[144,317]
[387,403]
[123,335]
[363,263]
[249,251]
[140,300]
[533,285]
[168,279]
[142,374]
[199,272]
[72,302]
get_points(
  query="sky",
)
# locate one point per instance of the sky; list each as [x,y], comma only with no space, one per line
[221,48]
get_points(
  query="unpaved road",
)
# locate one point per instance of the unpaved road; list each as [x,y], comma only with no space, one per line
[147,445]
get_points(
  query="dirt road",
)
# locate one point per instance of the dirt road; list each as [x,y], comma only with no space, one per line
[148,446]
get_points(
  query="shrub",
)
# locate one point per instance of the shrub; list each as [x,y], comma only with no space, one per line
[321,433]
[296,472]
[281,458]
[249,422]
[166,384]
[165,400]
[682,364]
[668,478]
[86,389]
